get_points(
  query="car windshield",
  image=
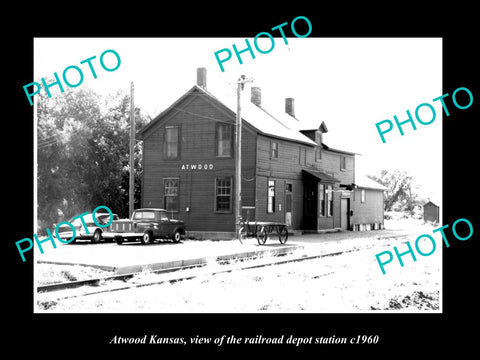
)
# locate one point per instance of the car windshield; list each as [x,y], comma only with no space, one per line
[144,215]
[163,215]
[105,218]
[78,221]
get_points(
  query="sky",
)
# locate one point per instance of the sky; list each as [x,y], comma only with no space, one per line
[349,83]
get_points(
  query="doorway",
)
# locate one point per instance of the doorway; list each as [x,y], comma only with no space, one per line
[310,198]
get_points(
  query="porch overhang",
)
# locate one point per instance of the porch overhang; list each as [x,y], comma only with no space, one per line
[319,176]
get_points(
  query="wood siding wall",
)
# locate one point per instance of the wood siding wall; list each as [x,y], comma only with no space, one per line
[197,147]
[197,116]
[287,168]
[431,213]
[330,164]
[284,169]
[369,212]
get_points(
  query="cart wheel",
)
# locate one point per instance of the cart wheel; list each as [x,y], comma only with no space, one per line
[262,236]
[242,234]
[282,234]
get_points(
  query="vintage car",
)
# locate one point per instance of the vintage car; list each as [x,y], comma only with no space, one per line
[95,233]
[147,225]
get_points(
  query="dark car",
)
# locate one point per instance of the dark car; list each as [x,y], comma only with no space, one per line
[147,225]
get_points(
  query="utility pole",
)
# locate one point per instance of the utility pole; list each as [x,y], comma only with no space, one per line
[131,186]
[238,155]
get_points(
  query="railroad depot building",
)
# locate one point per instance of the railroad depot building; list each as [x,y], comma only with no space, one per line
[288,173]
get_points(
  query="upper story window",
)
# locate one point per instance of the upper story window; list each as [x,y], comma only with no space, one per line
[318,137]
[318,153]
[171,144]
[224,136]
[343,162]
[273,150]
[302,156]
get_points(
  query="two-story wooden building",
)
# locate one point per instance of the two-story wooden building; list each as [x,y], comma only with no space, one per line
[288,173]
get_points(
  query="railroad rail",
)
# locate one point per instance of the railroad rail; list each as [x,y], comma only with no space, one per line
[181,273]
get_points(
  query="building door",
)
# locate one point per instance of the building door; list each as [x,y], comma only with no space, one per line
[310,198]
[288,204]
[344,214]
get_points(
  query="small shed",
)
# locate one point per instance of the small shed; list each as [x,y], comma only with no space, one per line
[431,212]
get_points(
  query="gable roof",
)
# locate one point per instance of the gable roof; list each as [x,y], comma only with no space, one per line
[322,127]
[267,124]
[257,117]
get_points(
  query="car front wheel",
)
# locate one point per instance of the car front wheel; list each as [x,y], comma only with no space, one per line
[97,236]
[147,238]
[177,237]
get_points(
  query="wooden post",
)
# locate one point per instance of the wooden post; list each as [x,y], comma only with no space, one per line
[238,159]
[131,186]
[238,155]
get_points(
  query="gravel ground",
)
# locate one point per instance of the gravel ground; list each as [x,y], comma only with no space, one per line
[350,282]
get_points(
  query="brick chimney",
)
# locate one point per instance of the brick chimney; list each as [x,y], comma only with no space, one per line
[256,96]
[289,106]
[202,77]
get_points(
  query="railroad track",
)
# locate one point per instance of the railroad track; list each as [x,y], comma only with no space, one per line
[131,280]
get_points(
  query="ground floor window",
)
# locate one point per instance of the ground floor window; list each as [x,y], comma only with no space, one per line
[321,199]
[271,196]
[170,194]
[223,194]
[325,199]
[329,196]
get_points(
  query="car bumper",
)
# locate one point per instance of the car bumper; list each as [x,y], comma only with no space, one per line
[66,235]
[107,235]
[126,235]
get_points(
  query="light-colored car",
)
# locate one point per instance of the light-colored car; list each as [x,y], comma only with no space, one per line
[95,233]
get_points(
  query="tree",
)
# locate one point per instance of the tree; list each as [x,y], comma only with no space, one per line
[399,195]
[83,154]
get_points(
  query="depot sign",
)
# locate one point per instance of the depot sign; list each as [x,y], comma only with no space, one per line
[197,167]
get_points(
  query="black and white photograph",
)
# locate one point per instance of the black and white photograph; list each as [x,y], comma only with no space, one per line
[231,181]
[329,208]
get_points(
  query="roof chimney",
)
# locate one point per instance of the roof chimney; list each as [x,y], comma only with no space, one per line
[202,77]
[256,95]
[289,106]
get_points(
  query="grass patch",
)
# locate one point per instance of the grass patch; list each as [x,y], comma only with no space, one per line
[47,274]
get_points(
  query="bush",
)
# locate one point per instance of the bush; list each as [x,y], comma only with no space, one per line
[398,215]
